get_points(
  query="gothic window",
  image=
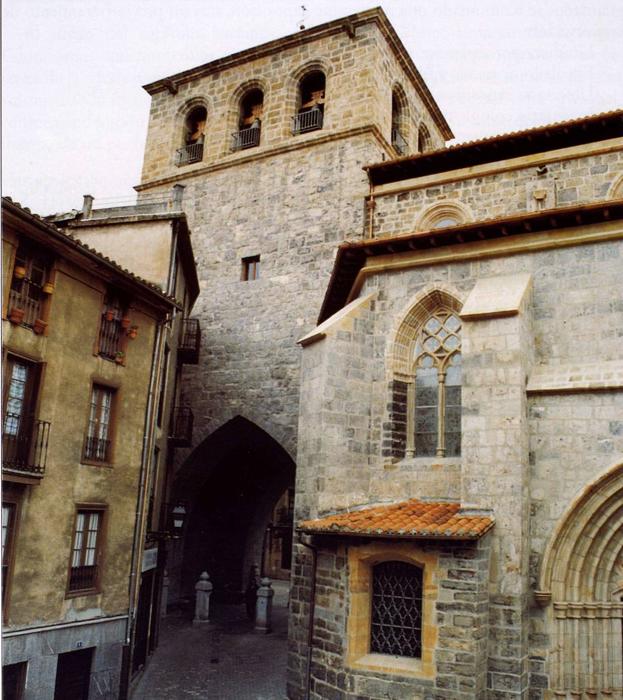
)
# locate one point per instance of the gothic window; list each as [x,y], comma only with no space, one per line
[249,120]
[396,612]
[193,137]
[424,410]
[437,405]
[310,103]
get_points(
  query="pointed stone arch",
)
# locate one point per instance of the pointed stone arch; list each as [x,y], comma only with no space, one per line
[230,483]
[413,315]
[582,552]
[400,427]
[582,577]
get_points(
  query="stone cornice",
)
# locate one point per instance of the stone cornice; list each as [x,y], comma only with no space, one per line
[542,230]
[501,166]
[262,154]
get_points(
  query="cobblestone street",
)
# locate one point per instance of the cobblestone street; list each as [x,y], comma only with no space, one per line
[226,660]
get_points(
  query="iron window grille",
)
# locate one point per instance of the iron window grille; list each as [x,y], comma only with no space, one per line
[396,624]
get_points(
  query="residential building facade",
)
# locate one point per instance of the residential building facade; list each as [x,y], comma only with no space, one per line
[83,345]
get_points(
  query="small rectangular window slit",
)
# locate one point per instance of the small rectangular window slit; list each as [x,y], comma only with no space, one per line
[250,268]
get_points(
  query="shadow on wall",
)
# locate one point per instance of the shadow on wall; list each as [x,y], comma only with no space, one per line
[231,483]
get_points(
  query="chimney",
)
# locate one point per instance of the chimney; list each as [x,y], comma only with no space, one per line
[87,206]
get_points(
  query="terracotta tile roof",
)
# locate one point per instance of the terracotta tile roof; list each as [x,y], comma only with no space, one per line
[408,519]
[70,240]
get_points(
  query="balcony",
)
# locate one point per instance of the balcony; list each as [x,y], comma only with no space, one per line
[28,298]
[24,449]
[309,120]
[181,430]
[192,153]
[82,578]
[246,138]
[190,341]
[399,143]
[96,449]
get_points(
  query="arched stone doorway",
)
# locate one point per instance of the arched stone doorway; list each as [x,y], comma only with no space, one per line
[232,484]
[581,580]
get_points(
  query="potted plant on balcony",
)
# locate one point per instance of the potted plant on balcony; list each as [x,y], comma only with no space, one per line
[39,326]
[125,322]
[19,272]
[120,357]
[16,315]
[132,332]
[109,315]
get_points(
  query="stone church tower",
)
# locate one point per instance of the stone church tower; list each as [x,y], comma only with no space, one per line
[270,145]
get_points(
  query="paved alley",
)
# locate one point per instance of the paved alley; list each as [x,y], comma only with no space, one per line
[226,660]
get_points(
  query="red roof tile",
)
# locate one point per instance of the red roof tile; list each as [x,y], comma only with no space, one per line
[408,519]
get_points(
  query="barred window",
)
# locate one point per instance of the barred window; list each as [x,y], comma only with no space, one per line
[97,442]
[396,624]
[437,414]
[30,273]
[85,550]
[111,337]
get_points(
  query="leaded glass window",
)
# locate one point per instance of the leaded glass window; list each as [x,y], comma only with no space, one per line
[396,625]
[437,400]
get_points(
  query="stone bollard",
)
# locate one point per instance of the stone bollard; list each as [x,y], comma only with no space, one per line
[203,587]
[264,606]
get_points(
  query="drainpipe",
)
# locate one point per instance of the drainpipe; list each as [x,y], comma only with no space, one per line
[371,205]
[139,528]
[312,609]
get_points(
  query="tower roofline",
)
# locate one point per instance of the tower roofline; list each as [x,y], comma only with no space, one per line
[345,24]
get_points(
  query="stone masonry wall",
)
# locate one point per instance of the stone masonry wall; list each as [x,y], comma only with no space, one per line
[567,182]
[359,71]
[461,616]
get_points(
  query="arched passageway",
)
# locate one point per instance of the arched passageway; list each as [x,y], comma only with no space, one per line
[233,484]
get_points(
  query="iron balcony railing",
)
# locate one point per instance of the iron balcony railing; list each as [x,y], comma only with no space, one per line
[181,430]
[307,121]
[82,578]
[246,138]
[25,446]
[190,341]
[399,143]
[192,153]
[28,299]
[96,449]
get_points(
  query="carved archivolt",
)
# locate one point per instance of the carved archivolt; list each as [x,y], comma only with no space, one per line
[582,575]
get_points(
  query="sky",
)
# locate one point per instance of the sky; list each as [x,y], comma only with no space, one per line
[75,116]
